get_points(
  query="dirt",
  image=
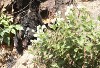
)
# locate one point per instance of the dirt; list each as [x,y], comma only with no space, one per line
[93,7]
[7,58]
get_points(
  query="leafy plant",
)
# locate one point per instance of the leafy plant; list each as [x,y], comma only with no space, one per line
[74,44]
[6,29]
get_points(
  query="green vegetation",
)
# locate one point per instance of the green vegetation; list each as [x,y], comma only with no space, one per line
[6,29]
[74,42]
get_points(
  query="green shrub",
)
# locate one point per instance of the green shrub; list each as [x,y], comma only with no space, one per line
[7,28]
[74,42]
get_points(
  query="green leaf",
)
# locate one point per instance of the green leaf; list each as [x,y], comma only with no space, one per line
[50,56]
[2,34]
[19,27]
[4,22]
[76,49]
[13,31]
[7,30]
[11,26]
[81,41]
[53,26]
[99,18]
[55,65]
[88,48]
[91,37]
[68,47]
[7,40]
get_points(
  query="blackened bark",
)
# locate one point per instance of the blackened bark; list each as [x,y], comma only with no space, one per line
[29,19]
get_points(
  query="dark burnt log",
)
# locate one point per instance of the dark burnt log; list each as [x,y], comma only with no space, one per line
[29,20]
[47,9]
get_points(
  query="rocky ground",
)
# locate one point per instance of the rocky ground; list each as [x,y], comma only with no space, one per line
[12,60]
[93,7]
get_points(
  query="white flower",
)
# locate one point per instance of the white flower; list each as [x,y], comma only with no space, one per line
[36,35]
[38,39]
[71,6]
[68,10]
[43,27]
[66,13]
[60,19]
[53,20]
[58,13]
